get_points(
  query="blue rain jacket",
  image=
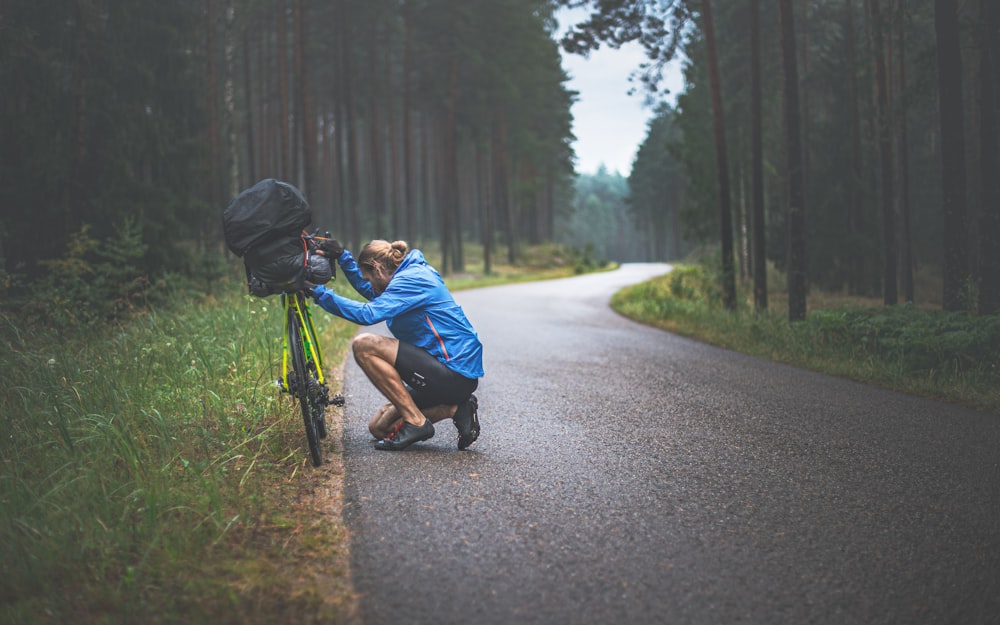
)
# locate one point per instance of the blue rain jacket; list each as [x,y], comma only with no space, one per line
[418,309]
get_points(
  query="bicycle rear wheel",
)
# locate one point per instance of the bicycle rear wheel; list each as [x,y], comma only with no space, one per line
[304,384]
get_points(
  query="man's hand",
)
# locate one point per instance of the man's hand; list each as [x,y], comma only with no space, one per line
[307,288]
[331,248]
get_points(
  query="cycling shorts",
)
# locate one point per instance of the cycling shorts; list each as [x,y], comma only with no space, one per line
[430,382]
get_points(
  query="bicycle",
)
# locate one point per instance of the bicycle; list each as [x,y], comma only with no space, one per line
[302,371]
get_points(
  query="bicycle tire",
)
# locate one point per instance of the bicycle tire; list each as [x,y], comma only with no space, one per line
[318,396]
[303,383]
[318,393]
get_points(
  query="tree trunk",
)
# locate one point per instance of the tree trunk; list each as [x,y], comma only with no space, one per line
[229,98]
[889,249]
[449,178]
[956,236]
[214,195]
[855,214]
[251,169]
[905,244]
[340,195]
[71,216]
[502,185]
[796,186]
[758,246]
[264,109]
[721,161]
[303,98]
[350,128]
[392,162]
[377,186]
[284,156]
[408,164]
[989,286]
[486,194]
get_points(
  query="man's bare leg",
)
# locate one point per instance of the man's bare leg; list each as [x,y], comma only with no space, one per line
[376,355]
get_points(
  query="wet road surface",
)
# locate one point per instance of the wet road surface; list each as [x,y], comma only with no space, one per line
[627,475]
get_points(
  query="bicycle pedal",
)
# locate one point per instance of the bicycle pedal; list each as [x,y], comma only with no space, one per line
[337,400]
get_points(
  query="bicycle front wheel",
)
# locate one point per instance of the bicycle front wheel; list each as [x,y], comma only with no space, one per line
[303,384]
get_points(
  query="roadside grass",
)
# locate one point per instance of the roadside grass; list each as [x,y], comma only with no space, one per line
[150,471]
[949,356]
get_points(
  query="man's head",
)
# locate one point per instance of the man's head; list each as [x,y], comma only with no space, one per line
[379,260]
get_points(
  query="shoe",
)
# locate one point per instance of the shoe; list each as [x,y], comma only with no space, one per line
[467,422]
[404,435]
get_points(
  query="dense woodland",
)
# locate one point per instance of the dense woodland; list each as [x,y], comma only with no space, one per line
[850,143]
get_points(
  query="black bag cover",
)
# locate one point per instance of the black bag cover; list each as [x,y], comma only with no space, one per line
[269,210]
[285,264]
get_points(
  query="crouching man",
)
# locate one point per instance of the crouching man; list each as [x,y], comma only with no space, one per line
[431,366]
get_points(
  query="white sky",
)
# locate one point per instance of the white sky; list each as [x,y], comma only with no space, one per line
[608,123]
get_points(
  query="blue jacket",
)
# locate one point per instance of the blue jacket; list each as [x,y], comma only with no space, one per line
[418,309]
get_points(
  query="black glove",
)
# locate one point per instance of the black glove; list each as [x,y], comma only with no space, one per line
[331,248]
[307,288]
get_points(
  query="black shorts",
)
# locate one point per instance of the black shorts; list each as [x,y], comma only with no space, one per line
[431,383]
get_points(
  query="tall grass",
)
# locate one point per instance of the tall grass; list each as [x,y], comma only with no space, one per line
[139,461]
[950,356]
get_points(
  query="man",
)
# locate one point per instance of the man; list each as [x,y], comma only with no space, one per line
[431,367]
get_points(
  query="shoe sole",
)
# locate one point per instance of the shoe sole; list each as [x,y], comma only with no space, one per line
[464,442]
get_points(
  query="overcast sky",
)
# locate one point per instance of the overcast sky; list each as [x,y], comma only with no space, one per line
[608,123]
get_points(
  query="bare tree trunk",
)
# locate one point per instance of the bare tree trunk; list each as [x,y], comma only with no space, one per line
[392,164]
[214,196]
[427,188]
[905,244]
[342,219]
[796,184]
[956,235]
[989,162]
[229,95]
[350,127]
[375,134]
[306,121]
[264,108]
[449,189]
[71,192]
[483,161]
[721,161]
[284,156]
[410,196]
[889,248]
[251,170]
[855,214]
[502,185]
[758,246]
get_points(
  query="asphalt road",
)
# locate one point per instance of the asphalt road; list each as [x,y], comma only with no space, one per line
[627,475]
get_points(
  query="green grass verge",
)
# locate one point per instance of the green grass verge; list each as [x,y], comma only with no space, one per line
[151,473]
[949,356]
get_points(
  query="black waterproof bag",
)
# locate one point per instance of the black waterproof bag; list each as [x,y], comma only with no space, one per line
[267,211]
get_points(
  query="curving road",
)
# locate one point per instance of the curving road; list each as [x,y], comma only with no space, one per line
[627,475]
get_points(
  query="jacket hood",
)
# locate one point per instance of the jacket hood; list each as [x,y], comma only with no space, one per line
[413,257]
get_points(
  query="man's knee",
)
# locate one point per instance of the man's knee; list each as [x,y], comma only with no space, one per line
[367,346]
[366,342]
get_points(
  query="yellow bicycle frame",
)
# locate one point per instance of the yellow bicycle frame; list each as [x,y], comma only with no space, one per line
[310,342]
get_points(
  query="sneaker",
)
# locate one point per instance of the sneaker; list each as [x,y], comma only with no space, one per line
[404,435]
[467,421]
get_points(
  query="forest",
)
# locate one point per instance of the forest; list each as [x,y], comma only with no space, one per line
[851,144]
